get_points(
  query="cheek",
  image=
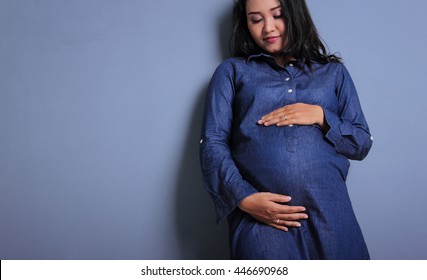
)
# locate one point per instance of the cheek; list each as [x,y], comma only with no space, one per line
[282,25]
[255,32]
[251,29]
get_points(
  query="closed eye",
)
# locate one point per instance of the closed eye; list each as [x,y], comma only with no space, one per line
[255,21]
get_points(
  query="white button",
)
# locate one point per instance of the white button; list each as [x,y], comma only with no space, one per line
[287,79]
[290,90]
[372,138]
[291,64]
[201,141]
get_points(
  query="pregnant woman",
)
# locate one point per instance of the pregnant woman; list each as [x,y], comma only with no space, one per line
[282,119]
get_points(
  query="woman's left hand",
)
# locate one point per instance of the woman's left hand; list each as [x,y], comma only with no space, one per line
[295,114]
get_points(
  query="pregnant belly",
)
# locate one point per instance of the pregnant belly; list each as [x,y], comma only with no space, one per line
[296,161]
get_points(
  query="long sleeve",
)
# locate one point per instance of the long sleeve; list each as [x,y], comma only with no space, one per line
[349,131]
[222,178]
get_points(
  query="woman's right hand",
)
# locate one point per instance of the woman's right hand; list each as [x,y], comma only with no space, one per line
[269,209]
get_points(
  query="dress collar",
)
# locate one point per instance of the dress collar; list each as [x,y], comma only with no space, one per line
[270,59]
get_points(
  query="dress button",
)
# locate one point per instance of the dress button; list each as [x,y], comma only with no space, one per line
[291,64]
[290,90]
[201,141]
[287,79]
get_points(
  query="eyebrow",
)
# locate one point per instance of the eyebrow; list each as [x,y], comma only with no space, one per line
[272,9]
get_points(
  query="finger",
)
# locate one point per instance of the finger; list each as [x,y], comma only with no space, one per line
[279,211]
[280,198]
[268,117]
[288,121]
[271,120]
[288,118]
[286,209]
[285,110]
[292,117]
[290,223]
[297,119]
[286,223]
[276,114]
[283,119]
[292,217]
[278,226]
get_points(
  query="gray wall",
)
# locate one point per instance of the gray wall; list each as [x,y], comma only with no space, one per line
[100,112]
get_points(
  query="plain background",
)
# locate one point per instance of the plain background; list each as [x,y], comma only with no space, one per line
[100,112]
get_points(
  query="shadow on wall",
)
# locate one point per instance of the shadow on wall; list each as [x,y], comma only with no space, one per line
[199,236]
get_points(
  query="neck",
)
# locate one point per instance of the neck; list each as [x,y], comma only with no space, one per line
[282,60]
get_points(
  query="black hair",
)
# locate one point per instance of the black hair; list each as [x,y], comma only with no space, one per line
[304,42]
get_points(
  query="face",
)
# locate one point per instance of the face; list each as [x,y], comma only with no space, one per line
[267,25]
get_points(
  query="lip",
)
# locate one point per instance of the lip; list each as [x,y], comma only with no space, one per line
[272,39]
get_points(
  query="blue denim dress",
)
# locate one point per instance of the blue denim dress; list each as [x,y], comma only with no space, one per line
[239,157]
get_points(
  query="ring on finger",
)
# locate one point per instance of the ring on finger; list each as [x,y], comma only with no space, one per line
[277,221]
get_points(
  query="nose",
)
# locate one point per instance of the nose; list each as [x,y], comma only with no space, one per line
[269,26]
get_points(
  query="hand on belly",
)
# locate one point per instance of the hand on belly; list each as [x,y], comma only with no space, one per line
[269,208]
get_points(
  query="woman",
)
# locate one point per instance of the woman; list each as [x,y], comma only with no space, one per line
[281,120]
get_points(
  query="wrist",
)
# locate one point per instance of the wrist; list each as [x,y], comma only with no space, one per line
[321,118]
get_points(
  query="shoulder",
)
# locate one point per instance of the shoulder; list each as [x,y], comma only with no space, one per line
[338,67]
[332,70]
[229,68]
[231,63]
[330,67]
[340,72]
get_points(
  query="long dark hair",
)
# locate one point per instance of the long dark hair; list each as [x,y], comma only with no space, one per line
[304,42]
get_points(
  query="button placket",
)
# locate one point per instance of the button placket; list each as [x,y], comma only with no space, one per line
[290,79]
[290,89]
[289,85]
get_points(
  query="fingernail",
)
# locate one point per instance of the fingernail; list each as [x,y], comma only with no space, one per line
[305,216]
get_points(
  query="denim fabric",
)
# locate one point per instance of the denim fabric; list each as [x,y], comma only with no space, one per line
[239,157]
